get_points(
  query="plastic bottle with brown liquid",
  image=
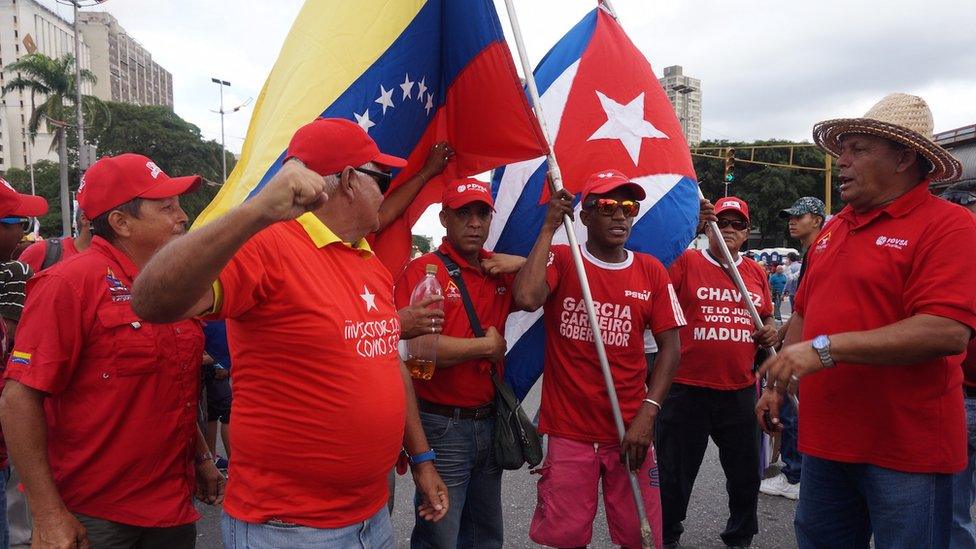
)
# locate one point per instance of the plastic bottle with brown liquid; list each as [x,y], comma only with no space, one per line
[422,350]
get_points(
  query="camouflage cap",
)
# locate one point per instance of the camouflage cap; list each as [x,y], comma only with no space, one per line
[804,205]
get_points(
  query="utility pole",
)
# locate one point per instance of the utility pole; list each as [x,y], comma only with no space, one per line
[223,145]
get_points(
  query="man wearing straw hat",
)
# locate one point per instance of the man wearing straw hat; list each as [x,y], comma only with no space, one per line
[879,327]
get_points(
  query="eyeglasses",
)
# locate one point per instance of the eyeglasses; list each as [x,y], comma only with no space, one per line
[608,206]
[24,222]
[736,224]
[383,179]
[963,198]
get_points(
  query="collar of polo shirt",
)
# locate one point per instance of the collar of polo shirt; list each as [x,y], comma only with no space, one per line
[322,235]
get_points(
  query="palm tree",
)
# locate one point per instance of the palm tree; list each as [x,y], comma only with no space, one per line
[54,80]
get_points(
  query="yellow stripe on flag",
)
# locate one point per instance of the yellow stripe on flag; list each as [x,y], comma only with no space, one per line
[331,44]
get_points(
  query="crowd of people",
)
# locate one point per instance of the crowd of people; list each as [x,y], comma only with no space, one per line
[281,312]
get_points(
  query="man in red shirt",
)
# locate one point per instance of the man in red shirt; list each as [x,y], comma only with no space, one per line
[714,392]
[964,482]
[632,293]
[99,410]
[320,395]
[44,253]
[457,403]
[882,317]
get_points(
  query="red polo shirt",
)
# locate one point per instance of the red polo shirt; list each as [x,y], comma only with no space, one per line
[319,400]
[717,350]
[466,384]
[866,271]
[630,297]
[122,394]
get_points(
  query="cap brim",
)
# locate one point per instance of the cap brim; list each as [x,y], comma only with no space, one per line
[786,214]
[733,210]
[464,201]
[390,161]
[29,206]
[174,186]
[638,191]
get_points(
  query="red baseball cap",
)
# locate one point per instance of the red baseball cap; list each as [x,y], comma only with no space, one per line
[732,203]
[114,180]
[14,204]
[465,191]
[605,181]
[327,145]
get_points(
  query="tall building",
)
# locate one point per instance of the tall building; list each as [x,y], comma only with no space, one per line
[125,70]
[684,93]
[26,26]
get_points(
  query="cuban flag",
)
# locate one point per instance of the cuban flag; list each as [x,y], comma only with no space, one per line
[411,73]
[605,109]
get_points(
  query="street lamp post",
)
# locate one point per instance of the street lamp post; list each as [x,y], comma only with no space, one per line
[223,145]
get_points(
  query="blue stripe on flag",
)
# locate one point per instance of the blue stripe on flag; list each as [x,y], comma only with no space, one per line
[678,209]
[567,51]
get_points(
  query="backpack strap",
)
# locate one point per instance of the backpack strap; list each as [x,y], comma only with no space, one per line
[52,252]
[454,271]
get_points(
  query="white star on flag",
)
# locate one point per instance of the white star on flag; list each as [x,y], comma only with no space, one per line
[407,86]
[363,120]
[423,88]
[430,103]
[385,98]
[369,298]
[626,124]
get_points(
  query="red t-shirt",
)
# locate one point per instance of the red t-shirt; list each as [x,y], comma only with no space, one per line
[466,384]
[870,270]
[319,400]
[629,297]
[717,350]
[122,393]
[969,365]
[34,254]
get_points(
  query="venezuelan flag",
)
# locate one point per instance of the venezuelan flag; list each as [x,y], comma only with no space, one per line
[411,73]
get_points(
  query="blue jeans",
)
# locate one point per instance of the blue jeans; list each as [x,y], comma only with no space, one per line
[777,301]
[792,458]
[4,526]
[964,489]
[375,532]
[843,504]
[466,464]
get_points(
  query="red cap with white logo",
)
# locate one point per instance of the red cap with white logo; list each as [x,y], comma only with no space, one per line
[327,145]
[465,191]
[605,181]
[115,180]
[733,204]
[14,204]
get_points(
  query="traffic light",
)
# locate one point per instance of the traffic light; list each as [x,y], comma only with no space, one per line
[729,165]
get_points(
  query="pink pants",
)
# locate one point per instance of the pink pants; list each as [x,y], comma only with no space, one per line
[567,500]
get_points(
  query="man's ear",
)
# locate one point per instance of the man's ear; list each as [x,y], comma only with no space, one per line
[443,217]
[346,177]
[907,158]
[584,216]
[120,223]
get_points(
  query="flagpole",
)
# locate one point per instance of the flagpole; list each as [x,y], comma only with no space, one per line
[556,182]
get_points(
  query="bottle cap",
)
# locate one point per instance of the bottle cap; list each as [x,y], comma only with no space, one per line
[430,268]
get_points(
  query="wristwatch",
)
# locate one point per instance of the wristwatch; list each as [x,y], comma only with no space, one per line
[821,344]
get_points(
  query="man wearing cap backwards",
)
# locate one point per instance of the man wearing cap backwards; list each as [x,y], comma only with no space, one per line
[320,395]
[881,320]
[631,293]
[100,407]
[806,217]
[456,404]
[964,482]
[714,393]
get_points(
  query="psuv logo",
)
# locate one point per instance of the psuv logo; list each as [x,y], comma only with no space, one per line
[731,204]
[888,242]
[642,295]
[154,170]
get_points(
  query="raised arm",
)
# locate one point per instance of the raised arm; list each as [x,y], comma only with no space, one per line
[531,289]
[178,281]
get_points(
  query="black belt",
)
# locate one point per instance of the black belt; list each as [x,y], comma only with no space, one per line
[478,412]
[969,391]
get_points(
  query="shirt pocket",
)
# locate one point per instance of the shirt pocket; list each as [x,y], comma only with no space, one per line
[134,350]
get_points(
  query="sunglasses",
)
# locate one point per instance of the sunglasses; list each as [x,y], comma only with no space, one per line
[608,206]
[963,198]
[736,224]
[24,222]
[383,179]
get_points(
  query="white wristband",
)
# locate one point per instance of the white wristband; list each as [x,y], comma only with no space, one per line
[654,402]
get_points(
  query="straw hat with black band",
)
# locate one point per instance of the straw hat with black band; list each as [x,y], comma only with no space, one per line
[901,118]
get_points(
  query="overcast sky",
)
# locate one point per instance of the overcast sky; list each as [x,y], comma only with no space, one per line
[768,68]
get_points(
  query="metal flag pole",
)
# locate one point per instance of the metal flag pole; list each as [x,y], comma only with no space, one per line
[741,286]
[556,182]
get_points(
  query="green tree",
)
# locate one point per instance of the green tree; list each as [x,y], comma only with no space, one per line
[52,81]
[422,242]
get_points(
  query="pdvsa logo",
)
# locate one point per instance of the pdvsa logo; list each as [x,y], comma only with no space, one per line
[822,243]
[888,242]
[642,295]
[472,187]
[154,170]
[731,204]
